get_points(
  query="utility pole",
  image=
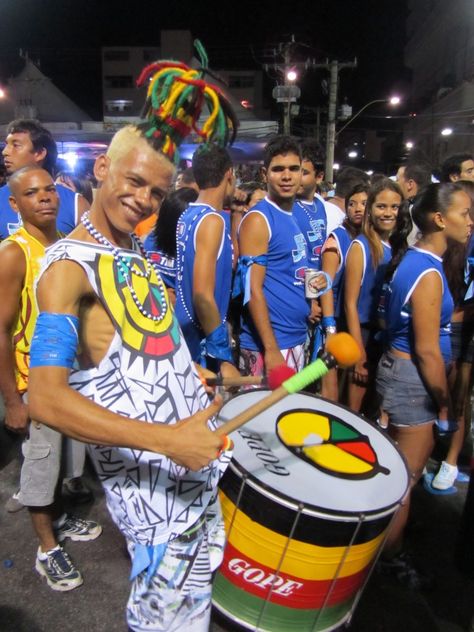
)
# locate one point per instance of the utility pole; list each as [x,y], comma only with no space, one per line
[288,93]
[334,67]
[287,105]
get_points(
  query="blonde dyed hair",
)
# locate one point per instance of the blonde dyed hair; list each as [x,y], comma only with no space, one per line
[127,139]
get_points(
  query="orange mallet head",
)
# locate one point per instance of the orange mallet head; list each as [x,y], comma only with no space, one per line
[344,349]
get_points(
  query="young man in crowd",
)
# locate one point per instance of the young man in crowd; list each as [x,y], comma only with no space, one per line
[204,263]
[272,265]
[28,143]
[34,197]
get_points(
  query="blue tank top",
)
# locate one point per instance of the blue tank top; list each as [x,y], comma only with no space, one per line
[414,265]
[312,220]
[187,228]
[283,287]
[165,264]
[10,221]
[372,282]
[343,240]
[226,216]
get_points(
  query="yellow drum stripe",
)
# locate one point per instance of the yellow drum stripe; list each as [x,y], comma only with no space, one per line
[306,561]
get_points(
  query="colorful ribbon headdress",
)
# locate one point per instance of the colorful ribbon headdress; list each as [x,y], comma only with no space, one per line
[177,94]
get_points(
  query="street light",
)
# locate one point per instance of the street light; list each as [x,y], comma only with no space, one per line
[409,144]
[291,75]
[447,131]
[392,101]
[352,154]
[3,94]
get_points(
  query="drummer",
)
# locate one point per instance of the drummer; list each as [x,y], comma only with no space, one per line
[132,392]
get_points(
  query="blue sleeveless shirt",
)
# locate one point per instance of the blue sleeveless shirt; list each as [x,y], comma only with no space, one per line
[312,220]
[372,282]
[66,221]
[165,264]
[414,265]
[187,228]
[283,286]
[343,240]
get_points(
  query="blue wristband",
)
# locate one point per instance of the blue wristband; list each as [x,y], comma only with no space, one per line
[55,340]
[328,321]
[217,345]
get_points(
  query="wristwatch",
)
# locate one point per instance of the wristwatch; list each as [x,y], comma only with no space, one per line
[330,329]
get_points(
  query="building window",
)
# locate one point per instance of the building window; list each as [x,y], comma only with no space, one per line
[116,55]
[241,81]
[119,81]
[118,106]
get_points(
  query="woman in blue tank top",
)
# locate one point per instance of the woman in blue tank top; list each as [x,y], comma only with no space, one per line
[462,347]
[411,377]
[333,262]
[366,262]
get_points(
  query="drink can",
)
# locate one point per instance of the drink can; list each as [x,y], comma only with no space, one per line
[310,288]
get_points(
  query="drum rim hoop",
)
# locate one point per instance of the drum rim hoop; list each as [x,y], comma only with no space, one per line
[314,511]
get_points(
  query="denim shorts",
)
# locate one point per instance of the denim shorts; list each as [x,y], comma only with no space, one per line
[462,341]
[402,393]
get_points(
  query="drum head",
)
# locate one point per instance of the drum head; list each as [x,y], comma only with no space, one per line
[309,451]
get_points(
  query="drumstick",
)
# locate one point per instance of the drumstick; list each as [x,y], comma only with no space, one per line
[341,349]
[275,378]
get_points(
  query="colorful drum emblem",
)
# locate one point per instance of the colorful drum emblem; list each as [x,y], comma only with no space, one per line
[307,500]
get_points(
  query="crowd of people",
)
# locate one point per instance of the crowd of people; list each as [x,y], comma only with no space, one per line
[120,327]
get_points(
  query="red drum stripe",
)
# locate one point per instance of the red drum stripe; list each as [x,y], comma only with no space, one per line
[288,590]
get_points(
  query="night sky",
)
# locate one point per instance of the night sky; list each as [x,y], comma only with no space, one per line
[66,36]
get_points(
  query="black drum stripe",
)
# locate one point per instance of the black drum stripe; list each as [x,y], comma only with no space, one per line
[325,531]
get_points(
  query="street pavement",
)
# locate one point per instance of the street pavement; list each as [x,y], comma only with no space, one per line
[28,605]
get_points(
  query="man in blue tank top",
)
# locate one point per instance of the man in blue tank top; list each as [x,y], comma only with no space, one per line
[29,143]
[308,210]
[272,265]
[204,262]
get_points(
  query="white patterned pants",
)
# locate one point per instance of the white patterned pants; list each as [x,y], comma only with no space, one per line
[178,596]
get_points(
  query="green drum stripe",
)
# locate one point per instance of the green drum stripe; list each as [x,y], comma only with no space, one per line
[246,607]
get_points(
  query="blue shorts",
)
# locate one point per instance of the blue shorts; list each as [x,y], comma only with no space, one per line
[402,393]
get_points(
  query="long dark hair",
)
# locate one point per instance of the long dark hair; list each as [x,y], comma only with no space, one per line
[164,233]
[351,229]
[435,197]
[375,243]
[454,260]
[399,239]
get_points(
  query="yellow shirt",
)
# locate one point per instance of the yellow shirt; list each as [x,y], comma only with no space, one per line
[26,319]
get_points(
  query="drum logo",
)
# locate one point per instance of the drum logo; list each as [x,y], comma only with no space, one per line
[328,443]
[270,461]
[262,579]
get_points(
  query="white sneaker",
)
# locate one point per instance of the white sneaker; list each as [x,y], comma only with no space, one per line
[445,477]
